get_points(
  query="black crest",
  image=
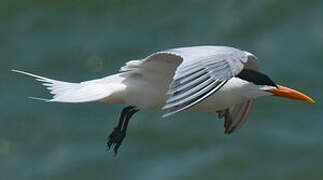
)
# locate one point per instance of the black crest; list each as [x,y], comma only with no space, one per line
[256,77]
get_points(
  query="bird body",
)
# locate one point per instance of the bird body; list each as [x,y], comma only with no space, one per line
[218,79]
[144,83]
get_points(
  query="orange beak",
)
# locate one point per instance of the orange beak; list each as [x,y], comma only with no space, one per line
[290,93]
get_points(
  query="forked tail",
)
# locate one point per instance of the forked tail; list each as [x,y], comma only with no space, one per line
[66,92]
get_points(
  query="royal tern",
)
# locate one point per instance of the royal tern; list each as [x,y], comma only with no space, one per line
[218,79]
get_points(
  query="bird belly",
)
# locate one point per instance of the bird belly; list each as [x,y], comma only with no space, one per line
[217,101]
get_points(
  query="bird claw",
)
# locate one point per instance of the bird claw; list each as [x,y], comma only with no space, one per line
[115,140]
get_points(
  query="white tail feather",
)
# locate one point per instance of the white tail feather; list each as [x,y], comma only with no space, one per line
[40,99]
[66,92]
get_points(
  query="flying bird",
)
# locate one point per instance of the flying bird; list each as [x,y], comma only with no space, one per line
[218,79]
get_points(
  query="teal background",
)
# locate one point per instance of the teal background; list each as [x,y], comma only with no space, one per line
[80,40]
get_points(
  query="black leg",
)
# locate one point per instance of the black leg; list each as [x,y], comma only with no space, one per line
[119,132]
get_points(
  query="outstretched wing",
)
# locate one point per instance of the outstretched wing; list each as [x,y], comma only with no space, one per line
[203,71]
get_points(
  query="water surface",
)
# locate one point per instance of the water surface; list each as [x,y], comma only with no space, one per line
[81,40]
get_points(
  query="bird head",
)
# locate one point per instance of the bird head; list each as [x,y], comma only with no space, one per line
[263,83]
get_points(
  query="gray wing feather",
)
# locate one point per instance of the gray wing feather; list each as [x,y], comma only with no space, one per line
[235,116]
[199,88]
[191,101]
[181,86]
[220,66]
[197,78]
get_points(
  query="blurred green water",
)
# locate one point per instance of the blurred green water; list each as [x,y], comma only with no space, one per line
[81,40]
